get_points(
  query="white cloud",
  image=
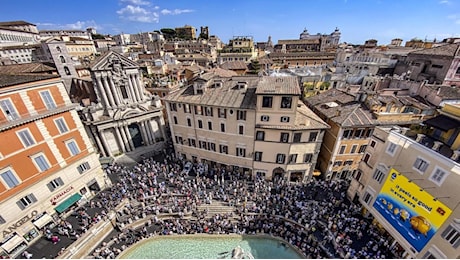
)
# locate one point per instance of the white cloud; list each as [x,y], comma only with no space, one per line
[137,2]
[175,11]
[444,2]
[455,18]
[138,14]
[78,25]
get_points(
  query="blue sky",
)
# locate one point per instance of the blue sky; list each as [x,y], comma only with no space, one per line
[358,20]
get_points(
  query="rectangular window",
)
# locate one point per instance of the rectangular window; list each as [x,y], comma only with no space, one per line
[61,125]
[366,157]
[347,134]
[373,143]
[189,122]
[73,147]
[208,111]
[284,137]
[222,113]
[240,152]
[348,162]
[198,110]
[173,106]
[342,149]
[222,127]
[452,235]
[191,142]
[367,198]
[313,136]
[202,144]
[258,156]
[124,92]
[260,135]
[241,115]
[54,184]
[280,158]
[379,175]
[241,129]
[223,149]
[286,102]
[48,99]
[26,201]
[359,133]
[438,176]
[337,163]
[9,110]
[186,108]
[391,149]
[175,120]
[353,148]
[421,165]
[83,167]
[362,148]
[9,178]
[209,125]
[292,158]
[200,123]
[267,101]
[297,137]
[26,137]
[212,146]
[308,158]
[41,162]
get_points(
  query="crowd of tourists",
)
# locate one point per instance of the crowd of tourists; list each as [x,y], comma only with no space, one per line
[315,217]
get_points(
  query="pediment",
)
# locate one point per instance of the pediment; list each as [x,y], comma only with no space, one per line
[111,59]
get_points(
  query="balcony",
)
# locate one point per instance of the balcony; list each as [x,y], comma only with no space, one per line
[6,124]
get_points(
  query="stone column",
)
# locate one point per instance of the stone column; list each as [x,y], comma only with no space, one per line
[98,142]
[160,126]
[145,136]
[104,142]
[131,89]
[120,140]
[102,91]
[109,91]
[124,138]
[128,135]
[139,86]
[116,92]
[148,127]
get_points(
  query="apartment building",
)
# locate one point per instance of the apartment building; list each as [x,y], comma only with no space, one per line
[250,124]
[47,162]
[408,186]
[14,33]
[186,32]
[240,48]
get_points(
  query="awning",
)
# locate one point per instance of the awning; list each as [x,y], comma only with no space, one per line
[68,202]
[443,122]
[43,221]
[11,244]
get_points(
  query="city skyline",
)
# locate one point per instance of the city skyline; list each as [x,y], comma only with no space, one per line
[358,21]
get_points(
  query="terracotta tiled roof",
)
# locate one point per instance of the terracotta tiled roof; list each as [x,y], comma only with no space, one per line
[35,67]
[445,50]
[278,86]
[234,65]
[7,80]
[341,108]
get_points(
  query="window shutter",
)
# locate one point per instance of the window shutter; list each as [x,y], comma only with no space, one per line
[20,205]
[59,180]
[50,186]
[33,198]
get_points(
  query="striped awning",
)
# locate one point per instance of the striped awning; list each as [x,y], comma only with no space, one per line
[43,221]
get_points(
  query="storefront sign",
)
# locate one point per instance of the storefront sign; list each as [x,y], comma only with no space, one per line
[19,223]
[412,211]
[55,199]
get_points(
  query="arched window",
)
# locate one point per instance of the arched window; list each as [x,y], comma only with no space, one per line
[58,48]
[62,59]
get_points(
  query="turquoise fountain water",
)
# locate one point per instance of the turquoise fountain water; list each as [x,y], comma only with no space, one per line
[209,247]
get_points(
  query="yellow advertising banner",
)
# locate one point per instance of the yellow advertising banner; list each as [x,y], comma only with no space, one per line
[414,212]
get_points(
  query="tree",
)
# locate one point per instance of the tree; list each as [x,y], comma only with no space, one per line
[168,33]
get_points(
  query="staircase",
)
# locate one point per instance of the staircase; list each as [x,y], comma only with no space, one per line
[217,207]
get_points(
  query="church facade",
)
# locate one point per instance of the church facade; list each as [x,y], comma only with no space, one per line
[124,117]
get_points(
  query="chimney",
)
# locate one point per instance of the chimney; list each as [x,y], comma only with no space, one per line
[419,138]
